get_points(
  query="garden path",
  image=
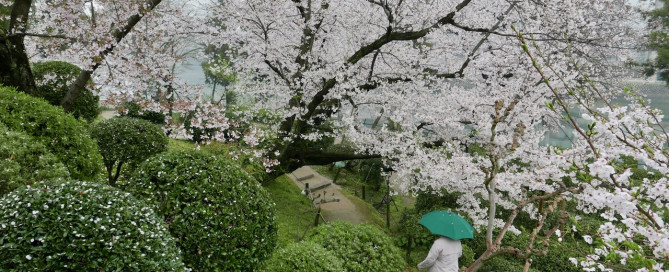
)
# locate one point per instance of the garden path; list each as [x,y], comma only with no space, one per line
[108,114]
[325,192]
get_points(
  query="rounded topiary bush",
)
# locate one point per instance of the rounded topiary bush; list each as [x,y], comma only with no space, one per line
[304,257]
[82,226]
[53,80]
[127,141]
[223,219]
[25,161]
[65,137]
[363,248]
[132,109]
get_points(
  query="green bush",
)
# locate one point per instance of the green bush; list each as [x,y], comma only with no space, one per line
[53,80]
[506,263]
[430,200]
[224,220]
[132,109]
[468,257]
[363,248]
[127,141]
[82,226]
[24,161]
[409,228]
[304,257]
[65,137]
[233,152]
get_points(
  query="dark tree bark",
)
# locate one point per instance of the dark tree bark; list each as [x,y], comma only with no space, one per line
[14,64]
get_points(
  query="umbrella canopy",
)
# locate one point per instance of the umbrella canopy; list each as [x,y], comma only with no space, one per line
[446,223]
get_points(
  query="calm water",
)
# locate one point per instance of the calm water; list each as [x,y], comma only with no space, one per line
[656,95]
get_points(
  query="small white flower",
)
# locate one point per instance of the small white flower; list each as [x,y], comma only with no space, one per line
[29,257]
[587,238]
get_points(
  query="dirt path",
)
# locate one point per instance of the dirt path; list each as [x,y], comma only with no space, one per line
[326,195]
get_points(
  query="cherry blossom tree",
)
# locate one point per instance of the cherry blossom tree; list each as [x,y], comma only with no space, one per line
[74,30]
[129,50]
[438,78]
[450,75]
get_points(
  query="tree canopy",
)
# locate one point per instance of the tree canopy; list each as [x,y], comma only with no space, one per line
[453,94]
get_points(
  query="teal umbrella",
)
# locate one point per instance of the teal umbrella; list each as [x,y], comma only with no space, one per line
[446,223]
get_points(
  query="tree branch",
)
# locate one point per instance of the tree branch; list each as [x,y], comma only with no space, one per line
[403,36]
[322,158]
[118,35]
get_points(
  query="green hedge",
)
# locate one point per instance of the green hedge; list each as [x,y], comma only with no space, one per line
[127,141]
[232,152]
[132,109]
[223,219]
[82,226]
[304,257]
[65,137]
[363,248]
[25,161]
[53,80]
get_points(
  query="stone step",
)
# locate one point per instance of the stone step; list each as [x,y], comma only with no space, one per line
[306,176]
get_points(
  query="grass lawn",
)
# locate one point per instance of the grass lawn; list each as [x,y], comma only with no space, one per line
[294,213]
[178,145]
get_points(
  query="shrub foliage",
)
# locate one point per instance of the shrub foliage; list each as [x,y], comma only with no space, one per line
[82,226]
[65,137]
[363,248]
[223,219]
[25,161]
[304,257]
[133,110]
[53,80]
[127,141]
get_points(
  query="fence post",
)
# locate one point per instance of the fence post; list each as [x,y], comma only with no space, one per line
[318,214]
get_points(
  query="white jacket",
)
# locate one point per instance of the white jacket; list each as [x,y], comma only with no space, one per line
[443,256]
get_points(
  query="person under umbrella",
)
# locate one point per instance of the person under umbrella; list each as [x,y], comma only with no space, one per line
[444,253]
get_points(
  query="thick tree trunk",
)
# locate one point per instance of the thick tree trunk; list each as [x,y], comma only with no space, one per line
[14,64]
[15,67]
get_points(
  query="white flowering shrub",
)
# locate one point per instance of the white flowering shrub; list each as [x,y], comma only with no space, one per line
[25,161]
[223,218]
[362,248]
[304,256]
[127,141]
[82,226]
[65,137]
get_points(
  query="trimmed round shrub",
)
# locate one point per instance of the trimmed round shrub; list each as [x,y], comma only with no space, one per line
[304,257]
[65,137]
[132,109]
[24,161]
[82,226]
[53,80]
[127,141]
[223,219]
[363,248]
